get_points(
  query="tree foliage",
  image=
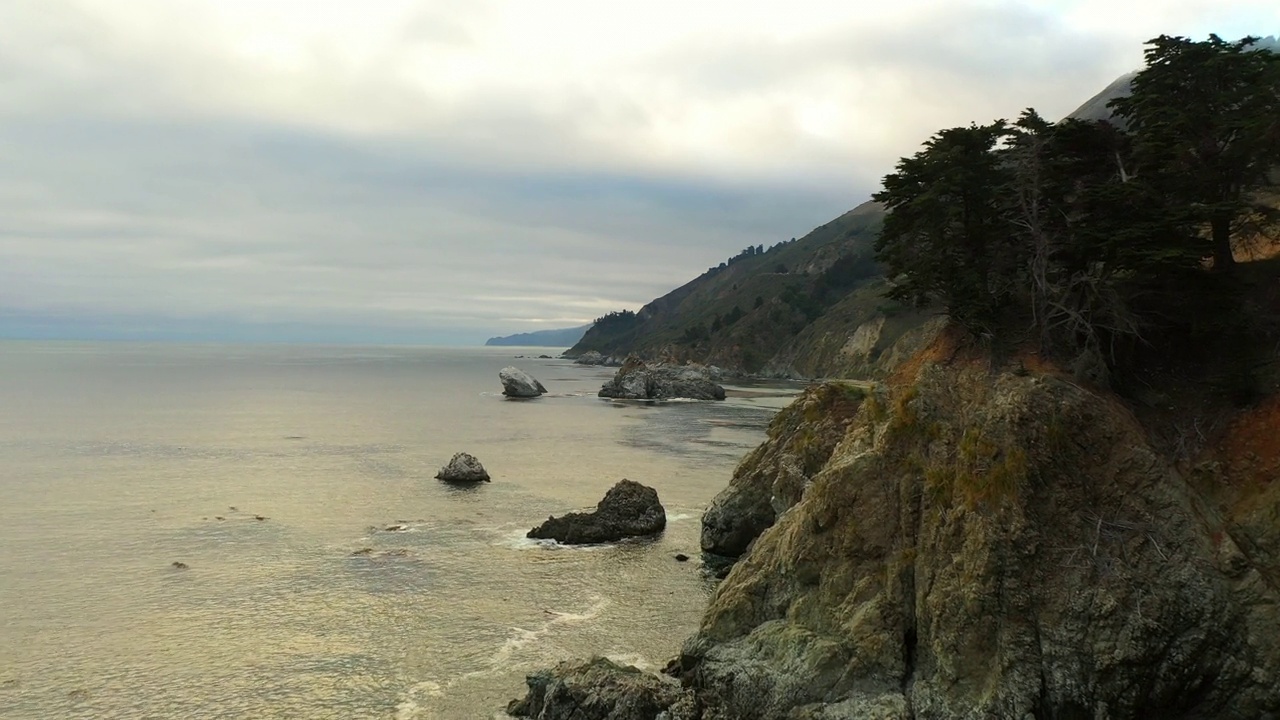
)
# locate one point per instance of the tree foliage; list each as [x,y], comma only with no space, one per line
[944,232]
[1095,233]
[1205,121]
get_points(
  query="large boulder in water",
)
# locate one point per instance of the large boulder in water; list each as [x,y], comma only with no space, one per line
[517,383]
[636,380]
[596,690]
[629,509]
[463,468]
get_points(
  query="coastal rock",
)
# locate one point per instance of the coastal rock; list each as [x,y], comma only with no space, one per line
[598,689]
[463,468]
[988,544]
[629,509]
[774,476]
[592,357]
[981,543]
[636,380]
[517,383]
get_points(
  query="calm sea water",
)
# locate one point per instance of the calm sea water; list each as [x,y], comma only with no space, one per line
[117,460]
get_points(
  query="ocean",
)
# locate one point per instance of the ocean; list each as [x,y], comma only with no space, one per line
[328,574]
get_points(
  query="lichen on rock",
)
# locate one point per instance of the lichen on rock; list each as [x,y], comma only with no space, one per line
[991,545]
[773,477]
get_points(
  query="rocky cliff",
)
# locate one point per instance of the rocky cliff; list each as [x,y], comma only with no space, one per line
[773,477]
[971,542]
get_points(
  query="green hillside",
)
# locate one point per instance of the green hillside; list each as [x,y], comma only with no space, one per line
[817,306]
[761,310]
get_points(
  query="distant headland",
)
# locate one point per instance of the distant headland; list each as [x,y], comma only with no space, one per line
[563,337]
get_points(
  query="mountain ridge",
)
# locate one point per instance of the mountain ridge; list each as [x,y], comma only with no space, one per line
[787,311]
[559,337]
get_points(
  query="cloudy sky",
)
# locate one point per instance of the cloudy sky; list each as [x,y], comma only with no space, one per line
[438,172]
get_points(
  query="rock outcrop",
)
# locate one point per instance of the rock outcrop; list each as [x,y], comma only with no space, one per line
[984,544]
[636,380]
[592,357]
[629,509]
[595,690]
[463,468]
[774,476]
[517,383]
[987,545]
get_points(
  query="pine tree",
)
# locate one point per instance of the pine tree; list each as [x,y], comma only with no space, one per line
[944,232]
[1205,117]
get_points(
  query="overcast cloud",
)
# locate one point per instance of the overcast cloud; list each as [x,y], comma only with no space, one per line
[412,171]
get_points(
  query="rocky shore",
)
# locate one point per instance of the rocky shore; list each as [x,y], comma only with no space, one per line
[637,380]
[591,357]
[969,543]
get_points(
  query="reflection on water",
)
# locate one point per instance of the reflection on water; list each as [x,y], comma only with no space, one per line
[120,460]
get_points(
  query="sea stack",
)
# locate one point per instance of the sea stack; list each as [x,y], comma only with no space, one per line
[517,383]
[629,509]
[463,468]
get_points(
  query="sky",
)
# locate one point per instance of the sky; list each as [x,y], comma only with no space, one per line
[408,171]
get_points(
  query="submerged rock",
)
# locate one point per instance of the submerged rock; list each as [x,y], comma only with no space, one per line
[629,509]
[463,468]
[595,690]
[519,384]
[636,380]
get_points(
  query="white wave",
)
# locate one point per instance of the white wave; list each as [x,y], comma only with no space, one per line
[632,659]
[678,517]
[522,637]
[516,540]
[412,707]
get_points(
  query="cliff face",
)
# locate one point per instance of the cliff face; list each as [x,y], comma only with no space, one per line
[981,544]
[774,476]
[986,545]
